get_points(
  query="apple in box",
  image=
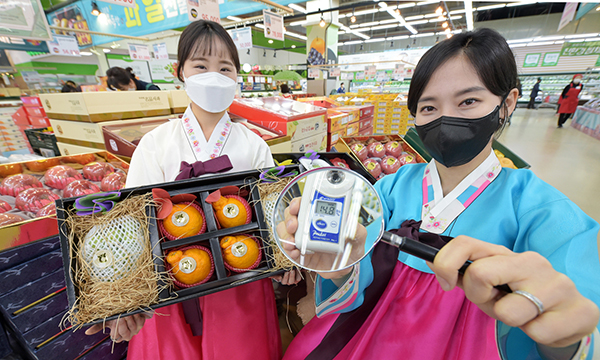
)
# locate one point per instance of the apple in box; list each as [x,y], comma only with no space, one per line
[264,137]
[393,148]
[390,165]
[373,167]
[376,149]
[360,150]
[407,158]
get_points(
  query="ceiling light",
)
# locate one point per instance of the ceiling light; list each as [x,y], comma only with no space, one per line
[95,10]
[469,14]
[520,3]
[106,50]
[490,7]
[382,4]
[296,23]
[293,46]
[406,5]
[298,7]
[418,22]
[353,19]
[270,41]
[576,40]
[546,38]
[559,42]
[447,31]
[581,36]
[234,18]
[598,8]
[416,17]
[445,24]
[322,22]
[375,40]
[519,40]
[293,34]
[260,26]
[381,27]
[439,10]
[459,11]
[353,42]
[540,43]
[448,36]
[427,2]
[422,35]
[592,39]
[86,53]
[401,37]
[402,21]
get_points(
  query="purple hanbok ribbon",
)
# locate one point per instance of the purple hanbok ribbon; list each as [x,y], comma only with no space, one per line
[199,168]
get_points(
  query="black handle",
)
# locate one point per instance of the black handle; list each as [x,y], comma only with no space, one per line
[426,252]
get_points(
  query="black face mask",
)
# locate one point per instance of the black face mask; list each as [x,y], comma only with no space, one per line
[454,141]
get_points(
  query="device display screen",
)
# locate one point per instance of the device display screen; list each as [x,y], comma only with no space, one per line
[326,208]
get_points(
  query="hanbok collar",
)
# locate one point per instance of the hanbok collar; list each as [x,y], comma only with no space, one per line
[438,212]
[204,150]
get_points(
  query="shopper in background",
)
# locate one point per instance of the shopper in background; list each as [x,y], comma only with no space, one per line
[534,93]
[125,80]
[531,237]
[239,323]
[569,99]
[285,91]
[70,86]
[341,90]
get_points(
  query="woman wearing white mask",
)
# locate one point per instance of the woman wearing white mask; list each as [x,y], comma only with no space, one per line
[569,99]
[239,323]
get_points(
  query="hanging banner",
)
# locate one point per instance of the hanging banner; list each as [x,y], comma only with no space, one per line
[584,8]
[64,45]
[334,72]
[567,15]
[126,3]
[139,52]
[313,73]
[31,76]
[399,70]
[160,51]
[370,70]
[532,60]
[242,37]
[273,25]
[580,49]
[203,10]
[551,59]
[23,19]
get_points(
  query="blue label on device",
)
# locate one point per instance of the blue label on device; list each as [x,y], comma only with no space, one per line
[326,218]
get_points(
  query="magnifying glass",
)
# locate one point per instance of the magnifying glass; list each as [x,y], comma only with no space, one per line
[340,221]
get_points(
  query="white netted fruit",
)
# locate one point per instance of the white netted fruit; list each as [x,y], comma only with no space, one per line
[112,250]
[268,205]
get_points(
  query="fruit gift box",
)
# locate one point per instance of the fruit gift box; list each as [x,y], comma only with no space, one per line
[203,235]
[380,155]
[28,191]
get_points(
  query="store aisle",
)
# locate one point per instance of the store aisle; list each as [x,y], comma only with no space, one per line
[565,158]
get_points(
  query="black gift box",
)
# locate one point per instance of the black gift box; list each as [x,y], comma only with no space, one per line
[222,279]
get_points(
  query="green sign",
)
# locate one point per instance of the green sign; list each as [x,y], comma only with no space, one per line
[598,61]
[551,59]
[532,60]
[24,19]
[580,48]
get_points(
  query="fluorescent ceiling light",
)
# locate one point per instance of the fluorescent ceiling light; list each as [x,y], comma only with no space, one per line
[546,38]
[405,5]
[434,15]
[388,21]
[341,32]
[422,35]
[354,42]
[298,7]
[86,53]
[576,40]
[106,50]
[297,23]
[293,34]
[401,37]
[401,20]
[459,11]
[592,39]
[368,24]
[519,40]
[443,19]
[540,43]
[261,26]
[382,4]
[354,26]
[580,36]
[490,7]
[348,30]
[418,22]
[363,12]
[559,42]
[469,14]
[520,3]
[427,2]
[375,40]
[234,18]
[416,17]
[381,27]
[517,45]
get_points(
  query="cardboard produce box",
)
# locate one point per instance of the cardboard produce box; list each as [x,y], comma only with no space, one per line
[317,142]
[293,118]
[34,228]
[277,142]
[178,101]
[106,105]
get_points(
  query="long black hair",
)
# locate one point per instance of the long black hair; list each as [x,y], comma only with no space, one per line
[487,52]
[200,38]
[118,78]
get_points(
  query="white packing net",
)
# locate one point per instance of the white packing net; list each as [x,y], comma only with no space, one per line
[112,250]
[268,204]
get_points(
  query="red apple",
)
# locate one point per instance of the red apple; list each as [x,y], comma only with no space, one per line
[360,150]
[393,148]
[373,167]
[407,158]
[266,137]
[376,149]
[390,165]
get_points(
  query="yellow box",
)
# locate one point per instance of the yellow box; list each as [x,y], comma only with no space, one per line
[106,105]
[317,142]
[336,120]
[178,101]
[353,129]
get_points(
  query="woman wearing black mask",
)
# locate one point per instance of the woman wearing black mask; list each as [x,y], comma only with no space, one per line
[516,229]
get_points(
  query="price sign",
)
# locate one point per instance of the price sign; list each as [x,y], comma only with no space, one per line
[335,72]
[203,10]
[126,3]
[313,73]
[242,37]
[139,52]
[160,51]
[273,25]
[370,70]
[63,45]
[399,70]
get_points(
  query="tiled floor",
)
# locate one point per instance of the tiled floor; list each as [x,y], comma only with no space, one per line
[565,158]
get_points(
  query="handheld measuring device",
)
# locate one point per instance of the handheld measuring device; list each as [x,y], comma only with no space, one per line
[328,214]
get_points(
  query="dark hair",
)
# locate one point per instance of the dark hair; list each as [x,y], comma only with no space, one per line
[117,77]
[68,88]
[200,37]
[285,89]
[539,79]
[71,83]
[487,52]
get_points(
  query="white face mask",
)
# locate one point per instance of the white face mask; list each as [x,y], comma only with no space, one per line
[212,91]
[576,81]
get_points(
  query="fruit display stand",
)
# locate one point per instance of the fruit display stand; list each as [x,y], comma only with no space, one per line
[413,139]
[375,157]
[303,122]
[33,302]
[587,119]
[23,226]
[162,244]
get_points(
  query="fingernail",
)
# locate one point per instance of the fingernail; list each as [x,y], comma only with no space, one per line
[443,283]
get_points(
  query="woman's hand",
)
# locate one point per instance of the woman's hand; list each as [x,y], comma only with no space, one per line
[291,277]
[286,231]
[122,329]
[568,316]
